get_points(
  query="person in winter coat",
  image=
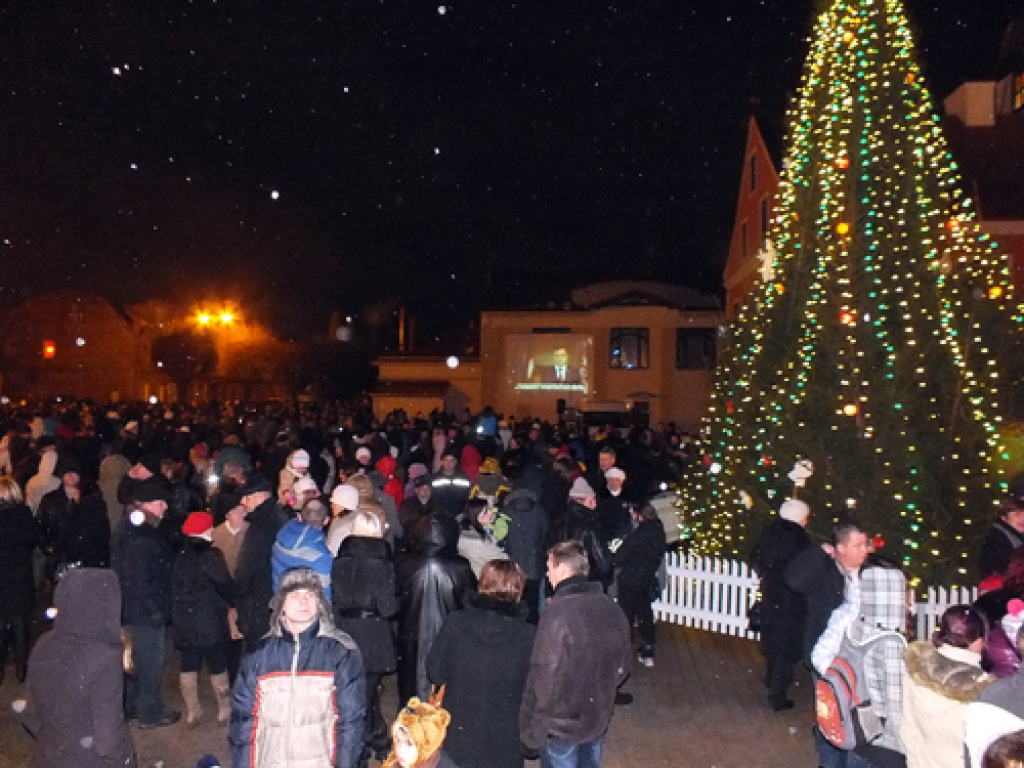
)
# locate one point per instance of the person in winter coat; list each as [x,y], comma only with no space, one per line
[393,488]
[555,488]
[1002,656]
[613,511]
[476,543]
[1005,535]
[451,485]
[783,612]
[638,558]
[578,523]
[141,556]
[19,535]
[490,483]
[295,467]
[112,469]
[79,528]
[415,508]
[200,593]
[482,657]
[44,480]
[883,609]
[299,699]
[944,675]
[526,542]
[254,578]
[998,710]
[581,655]
[365,601]
[74,696]
[301,543]
[993,603]
[433,581]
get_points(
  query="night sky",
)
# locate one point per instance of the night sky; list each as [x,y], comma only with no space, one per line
[303,156]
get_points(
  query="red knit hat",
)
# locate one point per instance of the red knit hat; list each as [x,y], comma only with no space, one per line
[198,524]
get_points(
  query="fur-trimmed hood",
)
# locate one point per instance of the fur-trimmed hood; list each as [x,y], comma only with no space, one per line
[948,677]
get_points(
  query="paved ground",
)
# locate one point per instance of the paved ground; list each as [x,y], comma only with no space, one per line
[701,706]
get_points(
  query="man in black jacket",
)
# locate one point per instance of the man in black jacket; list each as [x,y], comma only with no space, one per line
[581,656]
[1006,534]
[141,555]
[254,581]
[824,576]
[639,558]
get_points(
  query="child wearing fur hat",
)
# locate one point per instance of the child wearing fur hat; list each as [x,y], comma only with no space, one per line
[418,735]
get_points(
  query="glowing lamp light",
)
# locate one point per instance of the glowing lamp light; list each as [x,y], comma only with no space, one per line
[49,350]
[843,162]
[842,228]
[995,292]
[153,400]
[227,318]
[204,318]
[452,362]
[850,409]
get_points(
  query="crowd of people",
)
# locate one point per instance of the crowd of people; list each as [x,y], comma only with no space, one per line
[302,555]
[954,699]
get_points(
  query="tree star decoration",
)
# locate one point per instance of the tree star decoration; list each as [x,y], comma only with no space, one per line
[767,258]
[801,471]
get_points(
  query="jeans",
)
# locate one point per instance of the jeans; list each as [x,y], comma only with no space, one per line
[828,756]
[148,652]
[560,754]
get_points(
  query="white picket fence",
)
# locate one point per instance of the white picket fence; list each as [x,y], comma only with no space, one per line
[714,594]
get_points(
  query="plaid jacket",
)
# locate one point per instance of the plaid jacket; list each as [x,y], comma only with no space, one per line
[883,606]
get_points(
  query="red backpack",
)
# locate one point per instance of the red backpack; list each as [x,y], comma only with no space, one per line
[841,699]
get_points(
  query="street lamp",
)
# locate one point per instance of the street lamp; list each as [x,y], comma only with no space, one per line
[227,318]
[203,318]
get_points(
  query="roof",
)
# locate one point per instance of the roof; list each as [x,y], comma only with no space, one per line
[556,293]
[437,389]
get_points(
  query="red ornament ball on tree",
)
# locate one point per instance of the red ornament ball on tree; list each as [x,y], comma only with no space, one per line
[878,542]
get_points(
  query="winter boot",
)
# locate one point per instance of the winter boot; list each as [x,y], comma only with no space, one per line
[222,690]
[190,693]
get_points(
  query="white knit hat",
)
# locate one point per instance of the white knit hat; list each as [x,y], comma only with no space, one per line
[346,496]
[581,489]
[299,458]
[794,510]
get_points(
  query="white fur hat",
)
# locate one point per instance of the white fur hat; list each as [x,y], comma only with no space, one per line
[299,458]
[346,496]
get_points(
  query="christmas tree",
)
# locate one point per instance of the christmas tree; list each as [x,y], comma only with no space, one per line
[876,345]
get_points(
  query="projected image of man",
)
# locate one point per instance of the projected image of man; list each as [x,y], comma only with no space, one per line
[560,372]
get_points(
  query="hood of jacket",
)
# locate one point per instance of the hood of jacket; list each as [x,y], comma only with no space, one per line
[296,534]
[437,534]
[88,603]
[386,466]
[521,496]
[947,677]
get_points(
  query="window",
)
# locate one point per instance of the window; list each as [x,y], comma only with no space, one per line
[764,219]
[695,349]
[630,348]
[1018,92]
[753,172]
[743,241]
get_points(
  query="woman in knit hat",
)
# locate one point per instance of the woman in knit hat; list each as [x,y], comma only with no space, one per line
[783,615]
[200,592]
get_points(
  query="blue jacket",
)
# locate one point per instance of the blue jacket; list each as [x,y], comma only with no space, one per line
[299,700]
[299,546]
